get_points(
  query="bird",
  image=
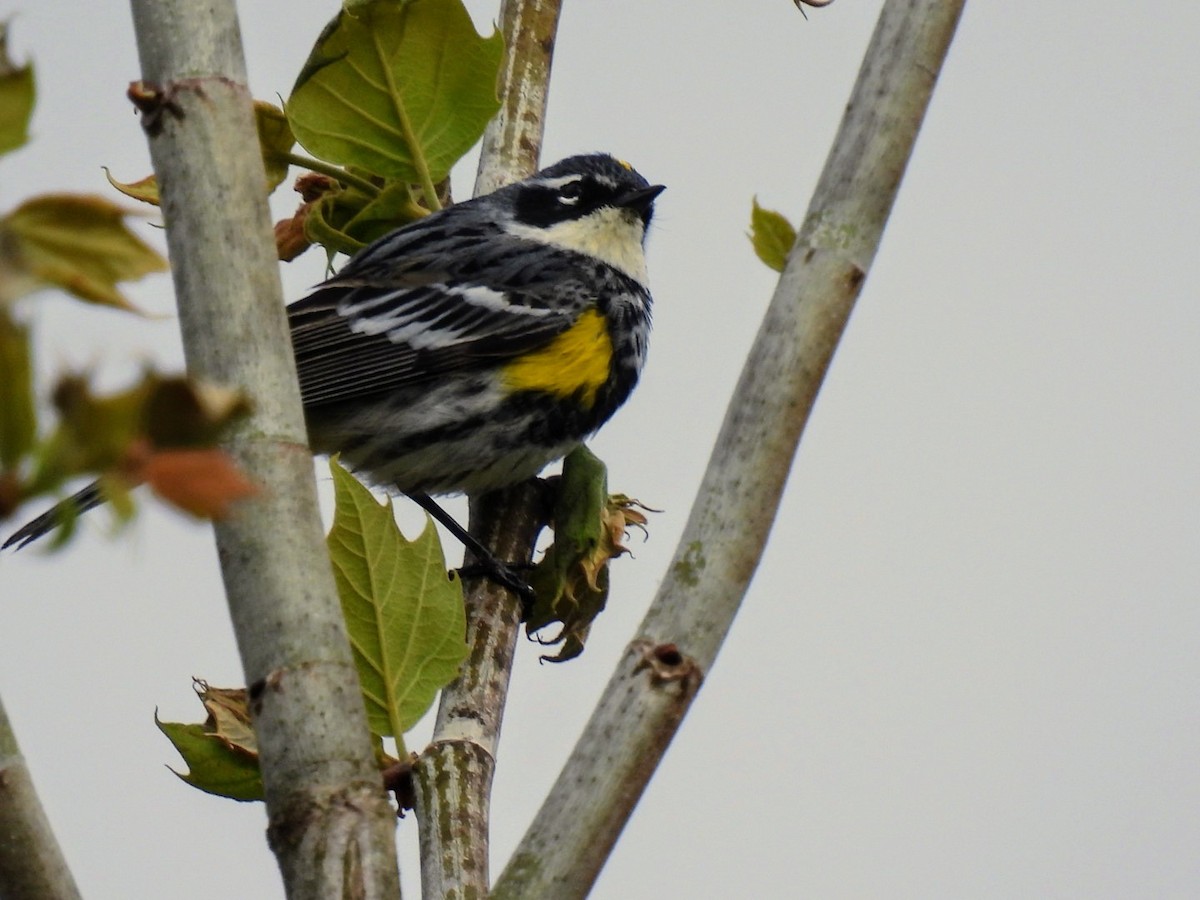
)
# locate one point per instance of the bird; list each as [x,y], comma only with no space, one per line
[466,351]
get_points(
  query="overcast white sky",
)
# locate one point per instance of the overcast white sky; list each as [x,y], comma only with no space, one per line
[969,664]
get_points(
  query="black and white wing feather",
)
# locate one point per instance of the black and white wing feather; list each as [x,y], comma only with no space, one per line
[444,294]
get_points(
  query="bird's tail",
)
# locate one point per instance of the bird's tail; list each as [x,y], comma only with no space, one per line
[59,514]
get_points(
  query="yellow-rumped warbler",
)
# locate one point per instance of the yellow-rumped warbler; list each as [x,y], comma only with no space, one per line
[467,350]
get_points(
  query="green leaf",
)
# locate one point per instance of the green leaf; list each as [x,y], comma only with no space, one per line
[145,189]
[772,235]
[398,89]
[388,210]
[570,582]
[17,95]
[141,434]
[320,226]
[275,140]
[405,616]
[78,243]
[18,416]
[345,220]
[222,754]
[213,765]
[94,431]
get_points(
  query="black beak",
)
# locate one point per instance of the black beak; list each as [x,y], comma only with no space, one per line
[641,200]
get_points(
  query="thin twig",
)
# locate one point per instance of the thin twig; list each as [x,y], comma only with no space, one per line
[453,776]
[644,702]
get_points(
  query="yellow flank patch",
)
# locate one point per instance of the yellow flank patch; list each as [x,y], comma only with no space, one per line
[577,361]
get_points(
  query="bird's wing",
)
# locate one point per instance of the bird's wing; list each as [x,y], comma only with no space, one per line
[398,315]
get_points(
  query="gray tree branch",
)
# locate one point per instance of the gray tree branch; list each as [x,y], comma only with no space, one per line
[31,862]
[331,826]
[648,695]
[453,776]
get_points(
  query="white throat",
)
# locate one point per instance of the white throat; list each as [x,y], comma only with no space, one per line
[609,234]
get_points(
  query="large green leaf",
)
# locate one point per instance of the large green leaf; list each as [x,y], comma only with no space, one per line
[17,95]
[405,617]
[398,89]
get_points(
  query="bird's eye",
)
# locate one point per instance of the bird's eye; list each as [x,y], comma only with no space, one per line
[570,192]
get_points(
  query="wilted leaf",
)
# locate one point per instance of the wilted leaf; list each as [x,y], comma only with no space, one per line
[405,616]
[145,190]
[228,716]
[319,227]
[345,221]
[399,89]
[94,432]
[772,235]
[17,95]
[184,412]
[275,139]
[385,212]
[315,185]
[128,434]
[290,237]
[222,754]
[216,765]
[205,483]
[18,417]
[571,580]
[78,243]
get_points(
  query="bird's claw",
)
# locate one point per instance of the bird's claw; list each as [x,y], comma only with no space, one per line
[504,574]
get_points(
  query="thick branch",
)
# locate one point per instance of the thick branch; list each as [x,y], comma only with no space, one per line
[31,862]
[454,775]
[453,778]
[569,840]
[512,144]
[330,823]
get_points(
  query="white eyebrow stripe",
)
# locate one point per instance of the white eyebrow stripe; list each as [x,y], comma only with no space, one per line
[558,182]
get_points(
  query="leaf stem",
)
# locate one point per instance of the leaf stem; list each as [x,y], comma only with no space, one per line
[424,177]
[336,172]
